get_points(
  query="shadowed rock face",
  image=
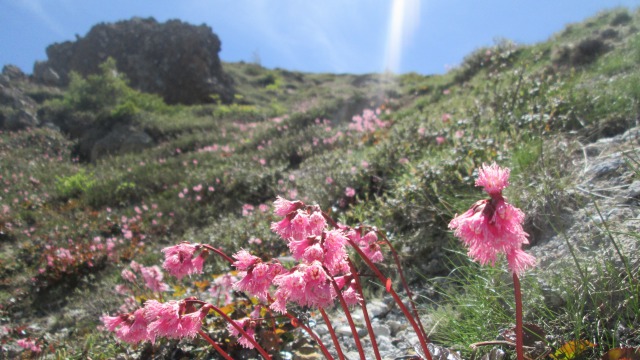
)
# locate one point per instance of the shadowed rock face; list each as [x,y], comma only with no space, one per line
[176,60]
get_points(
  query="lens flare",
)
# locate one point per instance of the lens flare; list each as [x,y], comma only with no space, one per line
[405,17]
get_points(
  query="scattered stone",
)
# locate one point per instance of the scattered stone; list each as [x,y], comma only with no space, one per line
[377,308]
[381,330]
[606,167]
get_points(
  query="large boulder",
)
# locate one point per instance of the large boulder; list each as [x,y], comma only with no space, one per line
[17,110]
[174,59]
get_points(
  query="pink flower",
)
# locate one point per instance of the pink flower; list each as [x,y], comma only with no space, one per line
[319,291]
[440,140]
[317,223]
[222,286]
[255,240]
[298,248]
[173,319]
[249,326]
[152,276]
[306,285]
[247,209]
[350,192]
[302,232]
[446,117]
[300,226]
[128,275]
[313,253]
[519,261]
[122,289]
[179,259]
[244,260]
[163,318]
[191,323]
[282,206]
[494,226]
[349,292]
[29,344]
[335,252]
[493,178]
[257,279]
[368,244]
[130,328]
[290,284]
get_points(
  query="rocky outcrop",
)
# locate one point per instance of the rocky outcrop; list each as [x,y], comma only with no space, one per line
[174,59]
[17,110]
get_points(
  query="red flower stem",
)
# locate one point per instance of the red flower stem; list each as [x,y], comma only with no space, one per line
[260,349]
[396,298]
[519,338]
[417,329]
[396,259]
[347,313]
[215,345]
[315,337]
[363,304]
[332,332]
[219,252]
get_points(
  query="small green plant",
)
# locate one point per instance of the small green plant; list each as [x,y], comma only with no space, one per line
[75,185]
[125,191]
[107,93]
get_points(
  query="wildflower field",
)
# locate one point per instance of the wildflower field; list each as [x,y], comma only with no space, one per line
[246,226]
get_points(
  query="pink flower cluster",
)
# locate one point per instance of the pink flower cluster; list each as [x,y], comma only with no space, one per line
[493,226]
[367,243]
[249,326]
[368,122]
[322,274]
[29,344]
[255,275]
[180,260]
[221,288]
[322,256]
[151,275]
[172,319]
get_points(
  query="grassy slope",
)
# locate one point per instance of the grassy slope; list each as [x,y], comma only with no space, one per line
[286,134]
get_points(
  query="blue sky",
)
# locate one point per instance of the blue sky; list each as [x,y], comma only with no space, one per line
[340,36]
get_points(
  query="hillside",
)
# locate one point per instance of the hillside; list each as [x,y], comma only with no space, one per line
[96,175]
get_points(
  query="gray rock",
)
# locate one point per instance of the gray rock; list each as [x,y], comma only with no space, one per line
[321,329]
[377,308]
[21,119]
[384,343]
[174,59]
[46,75]
[381,330]
[122,139]
[395,326]
[13,72]
[606,167]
